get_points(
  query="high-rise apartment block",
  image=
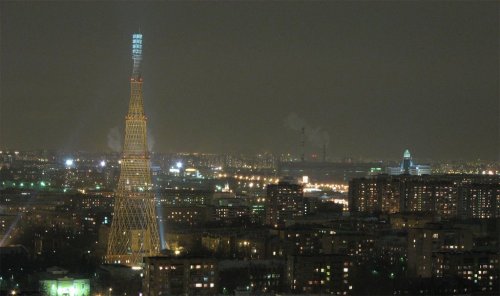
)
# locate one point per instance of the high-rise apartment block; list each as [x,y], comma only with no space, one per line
[465,196]
[285,201]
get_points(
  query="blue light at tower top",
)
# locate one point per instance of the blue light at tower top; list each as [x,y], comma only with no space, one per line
[137,46]
[137,53]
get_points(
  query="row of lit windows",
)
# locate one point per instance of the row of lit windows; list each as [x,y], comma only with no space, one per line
[201,285]
[198,266]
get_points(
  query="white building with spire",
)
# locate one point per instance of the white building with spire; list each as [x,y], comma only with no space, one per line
[407,166]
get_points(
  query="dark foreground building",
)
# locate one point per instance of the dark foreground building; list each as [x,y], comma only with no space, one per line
[165,275]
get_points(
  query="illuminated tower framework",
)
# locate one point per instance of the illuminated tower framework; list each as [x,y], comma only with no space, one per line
[134,230]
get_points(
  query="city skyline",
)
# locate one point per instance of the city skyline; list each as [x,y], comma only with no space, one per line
[246,77]
[249,148]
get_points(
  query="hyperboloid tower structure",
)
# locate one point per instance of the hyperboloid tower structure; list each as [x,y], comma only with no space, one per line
[134,230]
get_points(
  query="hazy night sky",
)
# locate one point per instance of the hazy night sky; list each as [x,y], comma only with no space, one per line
[375,78]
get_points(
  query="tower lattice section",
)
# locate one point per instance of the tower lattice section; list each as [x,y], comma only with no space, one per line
[134,229]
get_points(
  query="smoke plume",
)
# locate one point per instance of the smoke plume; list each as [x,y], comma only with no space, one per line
[115,139]
[151,140]
[314,136]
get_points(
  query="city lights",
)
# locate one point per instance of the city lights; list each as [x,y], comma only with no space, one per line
[297,148]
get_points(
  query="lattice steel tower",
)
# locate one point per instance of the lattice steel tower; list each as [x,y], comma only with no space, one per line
[134,230]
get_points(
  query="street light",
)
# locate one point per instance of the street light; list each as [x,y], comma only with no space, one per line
[69,162]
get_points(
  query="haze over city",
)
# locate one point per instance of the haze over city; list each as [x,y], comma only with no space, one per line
[270,148]
[366,79]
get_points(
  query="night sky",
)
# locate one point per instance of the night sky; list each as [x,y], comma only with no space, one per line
[370,79]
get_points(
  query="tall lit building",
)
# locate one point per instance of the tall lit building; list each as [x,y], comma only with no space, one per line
[284,202]
[375,194]
[478,200]
[134,229]
[407,166]
[450,196]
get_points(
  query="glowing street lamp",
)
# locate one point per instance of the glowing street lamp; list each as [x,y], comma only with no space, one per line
[69,162]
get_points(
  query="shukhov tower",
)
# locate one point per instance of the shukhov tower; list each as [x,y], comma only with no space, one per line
[134,230]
